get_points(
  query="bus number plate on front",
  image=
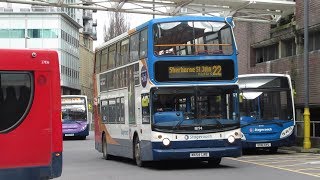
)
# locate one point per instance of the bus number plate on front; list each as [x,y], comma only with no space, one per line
[201,154]
[263,145]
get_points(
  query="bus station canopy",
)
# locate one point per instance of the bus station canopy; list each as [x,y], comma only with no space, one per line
[265,11]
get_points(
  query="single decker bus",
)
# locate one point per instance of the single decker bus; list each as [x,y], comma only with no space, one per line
[75,116]
[267,111]
[30,108]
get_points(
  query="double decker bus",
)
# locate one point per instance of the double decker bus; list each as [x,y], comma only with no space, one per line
[75,116]
[168,90]
[267,111]
[30,107]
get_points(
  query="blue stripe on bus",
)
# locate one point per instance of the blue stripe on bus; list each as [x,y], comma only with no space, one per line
[182,149]
[176,150]
[33,173]
[80,133]
[289,141]
[56,165]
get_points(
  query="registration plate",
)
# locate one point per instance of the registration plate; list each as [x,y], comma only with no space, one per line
[263,145]
[200,154]
[69,134]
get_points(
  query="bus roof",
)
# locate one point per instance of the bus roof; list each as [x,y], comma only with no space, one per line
[263,75]
[25,58]
[163,20]
[73,96]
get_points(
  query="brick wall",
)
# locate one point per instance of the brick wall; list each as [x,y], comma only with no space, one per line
[294,66]
[314,12]
[242,31]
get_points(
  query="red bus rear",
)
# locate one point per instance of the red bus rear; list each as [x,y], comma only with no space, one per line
[30,115]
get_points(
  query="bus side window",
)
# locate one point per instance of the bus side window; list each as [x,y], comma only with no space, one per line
[104,111]
[145,108]
[1,109]
[24,98]
[9,108]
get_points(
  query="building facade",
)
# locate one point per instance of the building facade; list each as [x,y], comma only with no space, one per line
[86,67]
[61,29]
[265,48]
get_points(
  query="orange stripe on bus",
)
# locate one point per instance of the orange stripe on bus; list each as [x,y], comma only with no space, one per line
[131,31]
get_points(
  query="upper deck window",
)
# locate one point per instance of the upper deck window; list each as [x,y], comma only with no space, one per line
[192,38]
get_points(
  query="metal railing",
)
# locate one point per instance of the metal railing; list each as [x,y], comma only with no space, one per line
[314,129]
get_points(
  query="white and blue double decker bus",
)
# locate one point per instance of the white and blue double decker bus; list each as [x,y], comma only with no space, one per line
[267,111]
[168,90]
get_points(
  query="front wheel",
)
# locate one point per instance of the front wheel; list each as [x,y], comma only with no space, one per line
[137,153]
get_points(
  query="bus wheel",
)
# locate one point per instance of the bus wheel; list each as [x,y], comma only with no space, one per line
[105,154]
[214,162]
[137,153]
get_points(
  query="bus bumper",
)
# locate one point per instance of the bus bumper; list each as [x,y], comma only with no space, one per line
[192,150]
[35,173]
[76,132]
[274,143]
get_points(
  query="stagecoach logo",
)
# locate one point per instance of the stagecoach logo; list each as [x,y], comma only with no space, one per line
[260,130]
[198,137]
[144,76]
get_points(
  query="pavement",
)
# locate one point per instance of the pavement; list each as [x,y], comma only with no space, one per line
[300,149]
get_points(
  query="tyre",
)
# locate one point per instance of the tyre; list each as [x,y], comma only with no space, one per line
[137,153]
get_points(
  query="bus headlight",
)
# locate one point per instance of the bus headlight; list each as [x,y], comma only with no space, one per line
[231,139]
[243,137]
[166,142]
[83,128]
[286,132]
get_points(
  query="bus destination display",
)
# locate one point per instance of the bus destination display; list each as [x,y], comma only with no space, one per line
[200,71]
[204,70]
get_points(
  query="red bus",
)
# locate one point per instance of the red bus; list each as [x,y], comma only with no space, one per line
[30,114]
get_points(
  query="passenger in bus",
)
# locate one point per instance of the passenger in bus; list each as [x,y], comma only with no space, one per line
[1,99]
[23,99]
[1,109]
[10,107]
[164,103]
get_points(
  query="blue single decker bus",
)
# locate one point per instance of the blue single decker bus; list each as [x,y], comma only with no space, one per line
[267,111]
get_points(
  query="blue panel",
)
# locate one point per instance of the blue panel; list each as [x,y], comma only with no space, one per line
[289,141]
[265,132]
[56,165]
[34,173]
[182,149]
[146,148]
[169,118]
[123,149]
[80,133]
